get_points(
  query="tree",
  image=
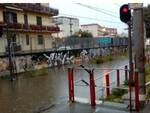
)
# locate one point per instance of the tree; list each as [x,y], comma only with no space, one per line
[147,20]
[83,34]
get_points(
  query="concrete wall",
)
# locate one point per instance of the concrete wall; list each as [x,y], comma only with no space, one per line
[3,43]
[1,14]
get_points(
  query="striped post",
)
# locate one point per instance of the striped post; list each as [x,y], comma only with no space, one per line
[107,85]
[136,91]
[126,72]
[71,84]
[118,78]
[92,88]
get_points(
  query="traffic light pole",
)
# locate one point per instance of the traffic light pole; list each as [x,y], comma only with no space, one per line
[130,64]
[130,53]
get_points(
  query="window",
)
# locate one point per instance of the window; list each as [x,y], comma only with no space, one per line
[14,38]
[25,19]
[40,40]
[27,40]
[38,4]
[39,20]
[10,17]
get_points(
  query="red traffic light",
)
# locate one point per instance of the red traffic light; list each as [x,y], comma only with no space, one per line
[125,13]
[125,9]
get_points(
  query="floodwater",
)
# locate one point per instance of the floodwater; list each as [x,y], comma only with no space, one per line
[28,94]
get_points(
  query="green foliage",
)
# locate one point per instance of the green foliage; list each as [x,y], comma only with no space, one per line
[116,95]
[101,59]
[82,34]
[4,77]
[148,92]
[147,20]
[147,73]
[34,73]
[126,82]
[110,98]
[118,92]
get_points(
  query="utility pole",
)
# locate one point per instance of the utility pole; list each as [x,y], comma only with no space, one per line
[70,23]
[130,64]
[11,65]
[11,68]
[130,53]
[138,34]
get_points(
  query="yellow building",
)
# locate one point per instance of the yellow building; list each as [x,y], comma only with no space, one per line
[29,25]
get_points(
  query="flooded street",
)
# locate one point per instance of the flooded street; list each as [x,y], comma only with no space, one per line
[27,94]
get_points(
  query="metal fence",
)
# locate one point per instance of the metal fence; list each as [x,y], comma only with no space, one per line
[76,42]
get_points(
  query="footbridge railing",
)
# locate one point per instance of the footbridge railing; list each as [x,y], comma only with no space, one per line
[94,83]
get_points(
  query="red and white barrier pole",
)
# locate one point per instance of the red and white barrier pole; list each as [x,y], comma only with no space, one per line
[107,85]
[71,84]
[118,78]
[92,87]
[136,91]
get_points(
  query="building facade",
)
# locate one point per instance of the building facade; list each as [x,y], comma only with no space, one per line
[68,26]
[95,29]
[28,26]
[110,31]
[98,31]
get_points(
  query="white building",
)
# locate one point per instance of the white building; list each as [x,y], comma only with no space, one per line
[110,31]
[68,26]
[98,31]
[95,29]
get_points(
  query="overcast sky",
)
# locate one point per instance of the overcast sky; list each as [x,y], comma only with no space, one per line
[85,15]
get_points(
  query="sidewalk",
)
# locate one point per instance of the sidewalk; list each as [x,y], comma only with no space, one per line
[107,107]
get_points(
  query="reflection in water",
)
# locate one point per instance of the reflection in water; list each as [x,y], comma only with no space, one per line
[27,94]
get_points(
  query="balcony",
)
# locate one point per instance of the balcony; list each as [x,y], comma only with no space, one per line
[33,8]
[31,28]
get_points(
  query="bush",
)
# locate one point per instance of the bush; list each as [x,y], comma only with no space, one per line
[99,60]
[4,77]
[126,82]
[148,92]
[118,92]
[34,73]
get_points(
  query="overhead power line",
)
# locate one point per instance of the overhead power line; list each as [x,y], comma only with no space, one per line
[106,12]
[89,18]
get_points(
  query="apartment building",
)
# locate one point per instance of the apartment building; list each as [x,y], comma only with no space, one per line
[95,29]
[28,26]
[98,31]
[68,26]
[110,31]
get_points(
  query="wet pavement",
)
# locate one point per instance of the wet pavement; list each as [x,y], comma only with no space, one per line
[106,107]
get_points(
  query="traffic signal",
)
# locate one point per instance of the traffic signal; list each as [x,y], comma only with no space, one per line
[1,31]
[125,13]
